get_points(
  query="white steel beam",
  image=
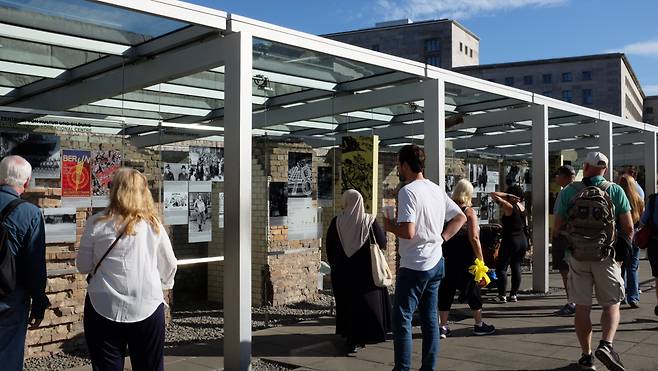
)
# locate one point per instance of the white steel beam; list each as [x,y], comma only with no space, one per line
[650,162]
[338,105]
[140,74]
[237,183]
[540,170]
[605,144]
[435,132]
[176,10]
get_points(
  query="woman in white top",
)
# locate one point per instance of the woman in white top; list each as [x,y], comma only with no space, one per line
[124,306]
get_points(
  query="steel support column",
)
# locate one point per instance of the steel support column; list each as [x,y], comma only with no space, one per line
[540,199]
[237,183]
[650,163]
[435,132]
[605,144]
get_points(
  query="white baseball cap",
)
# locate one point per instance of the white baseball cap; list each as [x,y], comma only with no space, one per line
[596,159]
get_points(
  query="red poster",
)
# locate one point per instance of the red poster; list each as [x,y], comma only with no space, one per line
[76,173]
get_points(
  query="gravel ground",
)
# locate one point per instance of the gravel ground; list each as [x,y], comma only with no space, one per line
[202,323]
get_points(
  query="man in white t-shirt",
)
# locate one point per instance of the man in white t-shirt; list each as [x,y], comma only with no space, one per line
[423,209]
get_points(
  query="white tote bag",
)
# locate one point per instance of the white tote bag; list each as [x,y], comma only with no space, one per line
[381,273]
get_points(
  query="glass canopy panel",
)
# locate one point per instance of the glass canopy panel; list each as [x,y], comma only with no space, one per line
[13,80]
[291,60]
[467,100]
[41,54]
[86,19]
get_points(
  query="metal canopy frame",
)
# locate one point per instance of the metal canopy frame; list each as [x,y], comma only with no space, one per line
[202,80]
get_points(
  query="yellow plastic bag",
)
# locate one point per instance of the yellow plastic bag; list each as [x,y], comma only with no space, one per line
[479,270]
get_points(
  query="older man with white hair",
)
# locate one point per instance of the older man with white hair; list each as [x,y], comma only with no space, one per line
[22,262]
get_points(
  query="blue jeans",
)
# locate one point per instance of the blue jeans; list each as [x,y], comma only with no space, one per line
[13,327]
[631,276]
[416,289]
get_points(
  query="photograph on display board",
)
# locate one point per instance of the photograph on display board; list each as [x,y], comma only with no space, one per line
[516,174]
[278,199]
[302,219]
[492,181]
[206,164]
[221,210]
[357,167]
[76,178]
[103,166]
[325,183]
[41,151]
[300,174]
[478,176]
[175,203]
[200,212]
[60,224]
[175,172]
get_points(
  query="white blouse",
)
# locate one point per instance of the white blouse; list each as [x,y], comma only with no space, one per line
[128,284]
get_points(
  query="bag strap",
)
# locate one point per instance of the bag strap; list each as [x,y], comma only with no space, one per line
[604,186]
[371,235]
[10,208]
[108,251]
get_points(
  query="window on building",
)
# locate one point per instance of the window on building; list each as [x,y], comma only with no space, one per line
[471,53]
[567,96]
[567,76]
[466,49]
[509,81]
[527,80]
[375,47]
[587,96]
[547,78]
[432,45]
[649,110]
[433,60]
[587,75]
[547,93]
[461,47]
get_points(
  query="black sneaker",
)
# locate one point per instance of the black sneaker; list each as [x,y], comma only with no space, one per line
[444,332]
[483,329]
[567,310]
[609,357]
[586,362]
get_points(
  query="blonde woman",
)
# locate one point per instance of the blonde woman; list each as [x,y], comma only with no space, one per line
[632,262]
[459,253]
[129,259]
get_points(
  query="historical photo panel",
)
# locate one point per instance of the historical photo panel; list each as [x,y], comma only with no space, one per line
[200,212]
[104,163]
[206,164]
[300,174]
[175,202]
[76,178]
[41,151]
[60,224]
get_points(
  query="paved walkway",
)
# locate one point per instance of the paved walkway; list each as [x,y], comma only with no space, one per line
[529,337]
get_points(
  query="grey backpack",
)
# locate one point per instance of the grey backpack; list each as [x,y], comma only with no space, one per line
[590,224]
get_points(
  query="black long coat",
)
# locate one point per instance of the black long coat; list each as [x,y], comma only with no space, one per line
[362,309]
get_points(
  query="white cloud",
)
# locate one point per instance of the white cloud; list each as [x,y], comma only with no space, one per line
[650,89]
[644,48]
[455,9]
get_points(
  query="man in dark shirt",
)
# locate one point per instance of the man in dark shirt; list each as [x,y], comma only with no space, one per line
[26,240]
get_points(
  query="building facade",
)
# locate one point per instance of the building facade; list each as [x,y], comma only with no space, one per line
[443,43]
[651,110]
[604,82]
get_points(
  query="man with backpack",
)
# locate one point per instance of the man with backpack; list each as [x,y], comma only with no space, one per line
[22,262]
[595,218]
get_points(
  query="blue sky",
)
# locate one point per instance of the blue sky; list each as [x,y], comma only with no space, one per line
[509,30]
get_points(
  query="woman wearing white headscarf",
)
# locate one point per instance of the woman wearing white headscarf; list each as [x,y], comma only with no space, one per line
[362,309]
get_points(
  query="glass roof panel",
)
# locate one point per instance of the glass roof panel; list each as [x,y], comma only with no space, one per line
[86,19]
[15,80]
[472,100]
[20,51]
[291,60]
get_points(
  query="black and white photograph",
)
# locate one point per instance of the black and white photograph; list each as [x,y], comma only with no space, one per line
[492,181]
[221,210]
[175,203]
[515,175]
[175,172]
[302,219]
[206,164]
[451,181]
[300,174]
[60,224]
[278,199]
[200,212]
[478,176]
[41,151]
[325,183]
